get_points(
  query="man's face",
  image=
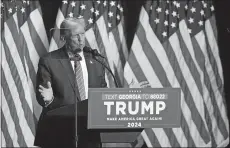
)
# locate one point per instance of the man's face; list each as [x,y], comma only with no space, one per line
[76,38]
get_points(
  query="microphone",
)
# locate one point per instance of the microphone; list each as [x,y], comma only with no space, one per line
[93,51]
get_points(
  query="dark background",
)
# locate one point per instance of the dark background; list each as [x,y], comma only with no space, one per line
[131,13]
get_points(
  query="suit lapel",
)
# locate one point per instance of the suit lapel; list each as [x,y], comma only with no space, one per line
[91,68]
[65,62]
[88,61]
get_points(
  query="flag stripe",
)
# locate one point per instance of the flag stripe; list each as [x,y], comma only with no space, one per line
[151,77]
[6,114]
[56,37]
[16,110]
[213,94]
[218,84]
[207,95]
[118,41]
[56,33]
[53,45]
[129,74]
[217,77]
[118,75]
[191,91]
[212,20]
[199,76]
[38,44]
[214,48]
[36,26]
[3,140]
[11,49]
[189,142]
[15,23]
[144,63]
[19,82]
[185,36]
[194,53]
[36,107]
[172,137]
[91,38]
[103,40]
[217,115]
[9,100]
[212,76]
[187,43]
[210,122]
[18,68]
[153,59]
[187,100]
[29,61]
[122,34]
[15,35]
[152,39]
[5,132]
[151,56]
[60,18]
[150,138]
[117,65]
[31,49]
[102,48]
[190,63]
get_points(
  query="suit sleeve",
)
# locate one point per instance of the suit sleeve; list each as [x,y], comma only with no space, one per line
[43,76]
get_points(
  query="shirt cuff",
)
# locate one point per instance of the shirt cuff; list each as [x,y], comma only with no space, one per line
[47,103]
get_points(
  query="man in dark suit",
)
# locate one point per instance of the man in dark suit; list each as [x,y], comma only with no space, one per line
[57,89]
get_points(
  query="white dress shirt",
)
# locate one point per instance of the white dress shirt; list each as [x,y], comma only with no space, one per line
[84,70]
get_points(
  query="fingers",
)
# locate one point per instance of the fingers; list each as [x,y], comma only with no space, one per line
[132,82]
[144,84]
[40,90]
[41,87]
[49,84]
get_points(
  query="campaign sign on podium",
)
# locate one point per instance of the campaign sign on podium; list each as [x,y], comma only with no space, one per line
[119,108]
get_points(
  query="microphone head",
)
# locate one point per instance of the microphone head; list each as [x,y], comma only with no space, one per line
[87,49]
[95,52]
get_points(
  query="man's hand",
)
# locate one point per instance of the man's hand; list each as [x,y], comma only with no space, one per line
[47,93]
[142,84]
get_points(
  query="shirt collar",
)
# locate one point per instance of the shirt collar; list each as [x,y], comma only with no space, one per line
[70,54]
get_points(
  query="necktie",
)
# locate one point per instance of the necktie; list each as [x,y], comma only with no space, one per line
[80,80]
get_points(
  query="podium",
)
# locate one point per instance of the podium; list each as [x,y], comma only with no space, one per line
[106,135]
[120,115]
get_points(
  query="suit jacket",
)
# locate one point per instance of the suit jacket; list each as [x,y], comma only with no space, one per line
[56,68]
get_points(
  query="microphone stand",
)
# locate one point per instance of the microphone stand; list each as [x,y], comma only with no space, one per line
[110,71]
[75,96]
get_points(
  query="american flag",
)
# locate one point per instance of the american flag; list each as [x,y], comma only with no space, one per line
[175,45]
[23,41]
[104,32]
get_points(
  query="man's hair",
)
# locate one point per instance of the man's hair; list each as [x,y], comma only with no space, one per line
[66,25]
